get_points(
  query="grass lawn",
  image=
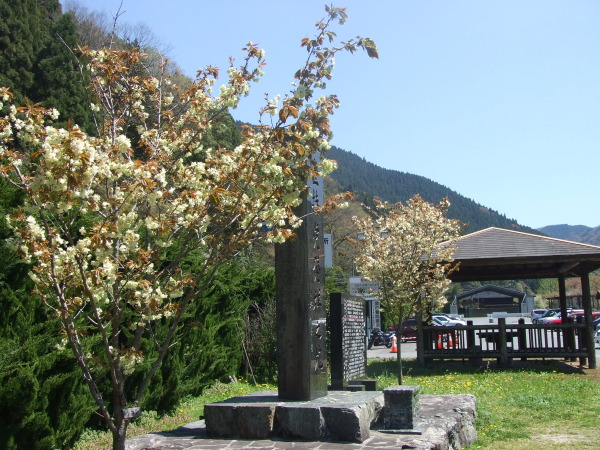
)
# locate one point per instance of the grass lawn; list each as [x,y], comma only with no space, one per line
[539,405]
[535,405]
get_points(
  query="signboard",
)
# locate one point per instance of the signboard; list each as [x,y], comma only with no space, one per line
[328,248]
[367,289]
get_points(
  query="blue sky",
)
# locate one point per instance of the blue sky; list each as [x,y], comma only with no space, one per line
[497,100]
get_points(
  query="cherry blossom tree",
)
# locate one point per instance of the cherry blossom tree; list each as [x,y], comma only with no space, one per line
[109,219]
[407,249]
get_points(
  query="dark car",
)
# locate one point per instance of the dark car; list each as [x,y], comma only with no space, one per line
[410,330]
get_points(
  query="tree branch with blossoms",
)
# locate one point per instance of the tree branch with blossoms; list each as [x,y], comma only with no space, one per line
[109,219]
[407,249]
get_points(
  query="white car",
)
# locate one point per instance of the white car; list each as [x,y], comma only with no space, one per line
[597,338]
[537,313]
[446,321]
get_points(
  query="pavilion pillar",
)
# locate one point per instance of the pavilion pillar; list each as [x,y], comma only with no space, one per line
[562,297]
[587,314]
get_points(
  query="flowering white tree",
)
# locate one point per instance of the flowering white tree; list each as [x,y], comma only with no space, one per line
[408,250]
[108,219]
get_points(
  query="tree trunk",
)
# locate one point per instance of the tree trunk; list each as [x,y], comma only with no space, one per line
[119,435]
[399,358]
[120,420]
[399,333]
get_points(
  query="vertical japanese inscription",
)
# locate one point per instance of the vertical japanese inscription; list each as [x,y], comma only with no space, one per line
[318,343]
[301,324]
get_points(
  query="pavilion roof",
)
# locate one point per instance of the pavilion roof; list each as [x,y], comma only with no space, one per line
[500,254]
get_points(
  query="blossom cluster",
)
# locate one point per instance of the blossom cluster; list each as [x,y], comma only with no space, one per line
[408,250]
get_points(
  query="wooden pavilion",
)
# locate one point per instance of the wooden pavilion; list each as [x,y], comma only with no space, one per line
[500,254]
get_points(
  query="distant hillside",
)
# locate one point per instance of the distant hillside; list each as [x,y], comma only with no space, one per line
[576,233]
[564,231]
[361,177]
[592,236]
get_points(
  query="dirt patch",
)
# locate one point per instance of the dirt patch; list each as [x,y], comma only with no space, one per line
[566,440]
[584,372]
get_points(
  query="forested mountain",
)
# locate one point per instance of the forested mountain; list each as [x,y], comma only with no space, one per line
[577,233]
[367,180]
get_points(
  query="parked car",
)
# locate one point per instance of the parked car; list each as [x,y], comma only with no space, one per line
[440,322]
[557,318]
[551,313]
[537,313]
[548,313]
[449,316]
[597,338]
[445,321]
[551,320]
[596,324]
[574,315]
[409,331]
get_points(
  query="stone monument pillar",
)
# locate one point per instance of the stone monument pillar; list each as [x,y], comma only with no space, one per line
[301,323]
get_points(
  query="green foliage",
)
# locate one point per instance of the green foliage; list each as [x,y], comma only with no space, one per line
[19,40]
[224,134]
[211,347]
[37,60]
[59,82]
[336,280]
[260,341]
[548,286]
[44,402]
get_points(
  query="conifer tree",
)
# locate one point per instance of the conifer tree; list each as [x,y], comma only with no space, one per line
[58,80]
[19,42]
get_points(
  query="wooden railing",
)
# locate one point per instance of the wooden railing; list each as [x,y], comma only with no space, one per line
[505,342]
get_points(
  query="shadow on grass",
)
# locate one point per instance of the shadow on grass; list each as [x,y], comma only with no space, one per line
[376,368]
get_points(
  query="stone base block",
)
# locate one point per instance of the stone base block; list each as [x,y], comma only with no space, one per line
[400,406]
[339,416]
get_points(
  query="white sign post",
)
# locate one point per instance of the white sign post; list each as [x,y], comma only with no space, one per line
[367,290]
[328,247]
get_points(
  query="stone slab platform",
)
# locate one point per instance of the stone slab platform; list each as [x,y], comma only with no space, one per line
[339,416]
[448,423]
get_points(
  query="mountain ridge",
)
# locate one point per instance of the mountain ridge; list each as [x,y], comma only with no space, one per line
[575,233]
[367,180]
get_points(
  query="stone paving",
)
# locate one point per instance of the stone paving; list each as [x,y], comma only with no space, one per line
[444,422]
